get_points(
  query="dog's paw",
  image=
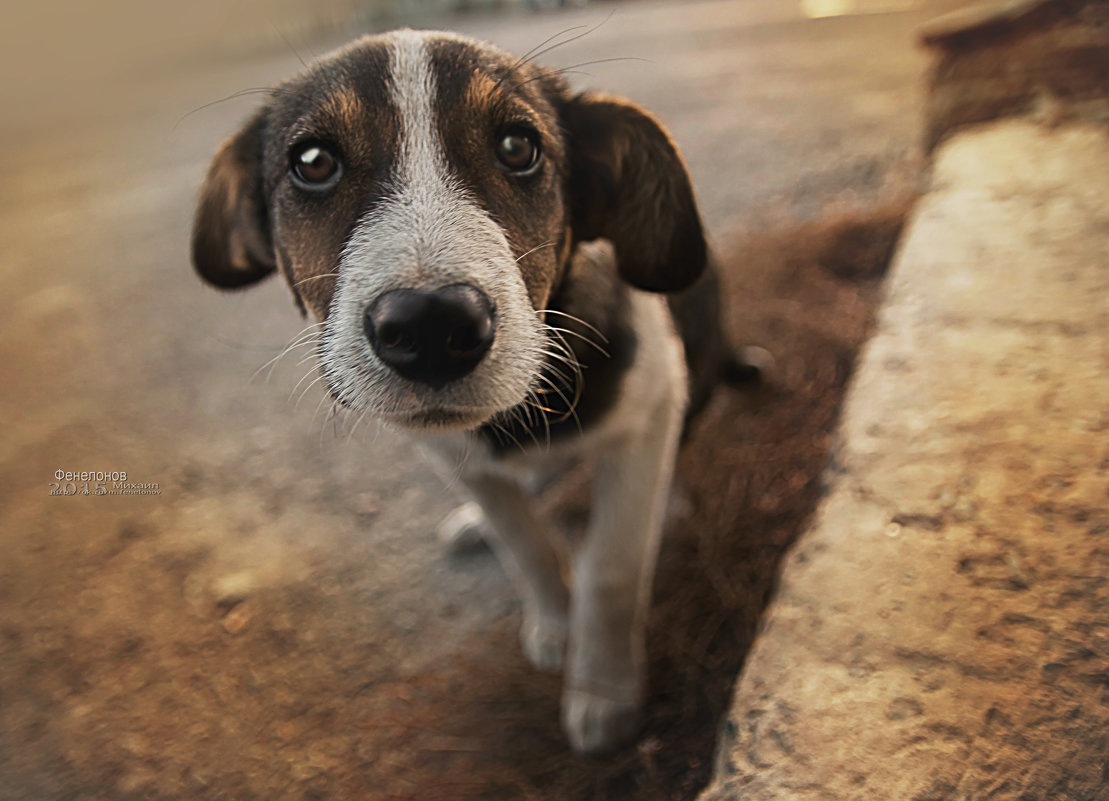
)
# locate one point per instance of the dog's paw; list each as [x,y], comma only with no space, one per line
[593,723]
[464,529]
[543,639]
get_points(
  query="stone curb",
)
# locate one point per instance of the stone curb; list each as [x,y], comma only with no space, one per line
[942,630]
[957,28]
[1046,59]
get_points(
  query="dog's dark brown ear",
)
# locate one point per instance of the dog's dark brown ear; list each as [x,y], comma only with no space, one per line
[629,185]
[231,237]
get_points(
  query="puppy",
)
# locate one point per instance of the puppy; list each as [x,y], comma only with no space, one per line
[510,272]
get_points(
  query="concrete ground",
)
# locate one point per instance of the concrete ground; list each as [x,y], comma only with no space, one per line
[278,621]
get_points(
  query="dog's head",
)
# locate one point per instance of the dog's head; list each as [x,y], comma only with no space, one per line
[422,194]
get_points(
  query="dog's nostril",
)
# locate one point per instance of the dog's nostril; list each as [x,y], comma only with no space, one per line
[396,338]
[467,338]
[433,337]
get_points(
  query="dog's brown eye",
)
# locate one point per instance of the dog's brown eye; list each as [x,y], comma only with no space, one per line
[518,150]
[314,166]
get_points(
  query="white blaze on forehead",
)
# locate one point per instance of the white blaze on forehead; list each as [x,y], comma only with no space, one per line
[421,163]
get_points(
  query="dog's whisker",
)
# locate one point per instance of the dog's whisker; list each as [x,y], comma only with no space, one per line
[542,408]
[582,337]
[289,44]
[530,407]
[516,441]
[529,410]
[564,355]
[522,412]
[573,380]
[560,342]
[301,381]
[324,398]
[518,416]
[560,356]
[508,434]
[333,414]
[535,52]
[460,463]
[556,340]
[305,337]
[579,321]
[354,428]
[578,376]
[256,90]
[537,247]
[566,379]
[315,278]
[571,363]
[574,69]
[570,406]
[455,473]
[315,381]
[551,74]
[547,426]
[312,354]
[514,417]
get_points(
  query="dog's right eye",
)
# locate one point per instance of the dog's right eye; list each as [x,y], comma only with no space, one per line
[314,166]
[518,150]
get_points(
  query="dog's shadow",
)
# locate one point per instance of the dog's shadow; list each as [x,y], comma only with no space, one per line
[749,478]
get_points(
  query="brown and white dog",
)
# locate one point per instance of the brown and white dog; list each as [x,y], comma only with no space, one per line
[510,272]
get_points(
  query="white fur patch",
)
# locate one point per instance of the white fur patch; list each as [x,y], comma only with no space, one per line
[428,233]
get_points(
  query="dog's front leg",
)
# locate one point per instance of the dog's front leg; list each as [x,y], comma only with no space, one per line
[528,549]
[612,576]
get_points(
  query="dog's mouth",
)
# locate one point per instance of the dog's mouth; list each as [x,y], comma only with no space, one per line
[440,418]
[420,409]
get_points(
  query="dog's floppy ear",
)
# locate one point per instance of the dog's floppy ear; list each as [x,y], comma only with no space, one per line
[628,184]
[231,236]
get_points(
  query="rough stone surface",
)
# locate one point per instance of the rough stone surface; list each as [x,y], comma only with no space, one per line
[1042,58]
[942,630]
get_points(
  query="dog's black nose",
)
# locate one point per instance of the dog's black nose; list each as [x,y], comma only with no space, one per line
[432,337]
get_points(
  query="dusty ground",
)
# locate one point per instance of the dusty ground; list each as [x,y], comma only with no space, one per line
[278,622]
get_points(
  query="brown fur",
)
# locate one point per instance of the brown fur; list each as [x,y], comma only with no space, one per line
[613,172]
[231,242]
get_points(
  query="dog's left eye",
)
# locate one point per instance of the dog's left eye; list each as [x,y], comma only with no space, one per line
[314,166]
[518,150]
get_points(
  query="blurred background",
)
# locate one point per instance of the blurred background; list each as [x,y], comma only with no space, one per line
[277,620]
